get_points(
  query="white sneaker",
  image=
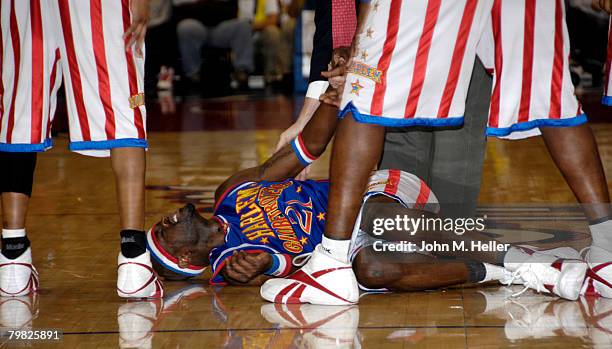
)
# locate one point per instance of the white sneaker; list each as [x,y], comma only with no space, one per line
[319,326]
[137,279]
[18,277]
[547,273]
[323,280]
[560,252]
[599,275]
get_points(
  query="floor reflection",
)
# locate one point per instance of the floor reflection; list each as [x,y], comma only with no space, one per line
[491,318]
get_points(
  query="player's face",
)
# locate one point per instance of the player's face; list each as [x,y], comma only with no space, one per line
[182,228]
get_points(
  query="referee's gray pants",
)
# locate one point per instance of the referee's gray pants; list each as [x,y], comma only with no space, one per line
[449,160]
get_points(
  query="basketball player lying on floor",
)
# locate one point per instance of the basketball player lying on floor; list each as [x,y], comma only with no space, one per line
[264,222]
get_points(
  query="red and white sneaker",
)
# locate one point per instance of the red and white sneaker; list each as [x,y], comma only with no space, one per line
[549,273]
[18,277]
[599,275]
[323,280]
[559,252]
[137,279]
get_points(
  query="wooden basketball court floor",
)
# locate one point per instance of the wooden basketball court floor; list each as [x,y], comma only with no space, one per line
[73,226]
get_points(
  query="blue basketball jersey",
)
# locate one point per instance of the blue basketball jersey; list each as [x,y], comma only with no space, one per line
[276,217]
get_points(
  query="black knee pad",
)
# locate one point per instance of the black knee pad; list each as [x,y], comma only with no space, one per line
[17,172]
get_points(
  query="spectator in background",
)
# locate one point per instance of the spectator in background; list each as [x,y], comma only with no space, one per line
[270,47]
[290,10]
[587,55]
[214,23]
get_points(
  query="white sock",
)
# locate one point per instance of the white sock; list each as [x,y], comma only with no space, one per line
[601,234]
[13,233]
[494,272]
[337,249]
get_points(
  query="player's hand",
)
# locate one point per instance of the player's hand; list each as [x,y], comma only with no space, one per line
[135,35]
[332,97]
[243,267]
[336,73]
[602,5]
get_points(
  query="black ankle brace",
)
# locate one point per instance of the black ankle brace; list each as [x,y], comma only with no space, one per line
[133,243]
[14,247]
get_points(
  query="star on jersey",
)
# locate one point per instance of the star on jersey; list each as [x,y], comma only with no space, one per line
[376,4]
[298,189]
[264,240]
[364,55]
[369,32]
[303,240]
[321,216]
[356,87]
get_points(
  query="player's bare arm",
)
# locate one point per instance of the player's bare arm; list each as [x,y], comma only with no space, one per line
[284,163]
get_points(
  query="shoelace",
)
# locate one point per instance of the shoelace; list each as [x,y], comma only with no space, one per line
[302,259]
[583,254]
[530,280]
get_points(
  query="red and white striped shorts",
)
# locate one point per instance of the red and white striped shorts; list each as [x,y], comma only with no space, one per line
[526,47]
[414,60]
[80,42]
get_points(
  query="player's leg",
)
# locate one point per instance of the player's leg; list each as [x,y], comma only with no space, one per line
[129,165]
[350,167]
[28,84]
[16,179]
[107,117]
[575,153]
[17,275]
[397,271]
[546,103]
[400,207]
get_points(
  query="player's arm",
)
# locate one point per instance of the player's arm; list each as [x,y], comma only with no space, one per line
[253,269]
[292,158]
